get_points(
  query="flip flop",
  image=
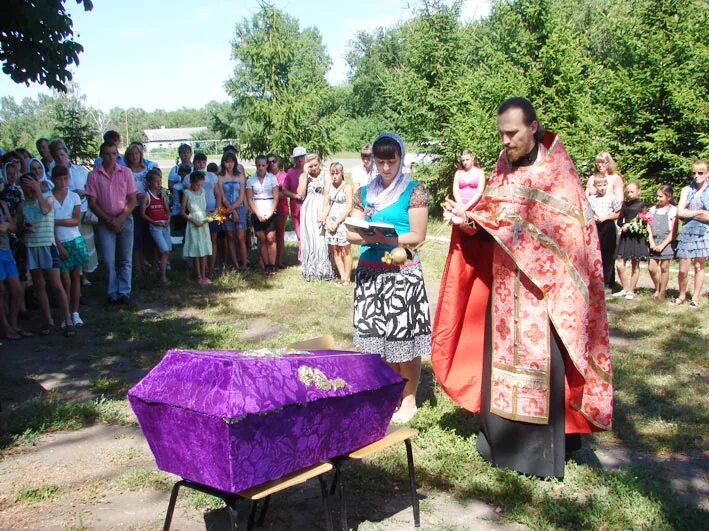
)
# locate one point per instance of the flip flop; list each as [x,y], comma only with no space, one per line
[24,333]
[694,305]
[678,301]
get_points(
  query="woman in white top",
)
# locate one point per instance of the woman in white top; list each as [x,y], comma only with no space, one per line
[262,197]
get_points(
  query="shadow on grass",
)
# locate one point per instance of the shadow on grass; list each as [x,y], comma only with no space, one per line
[641,490]
[372,495]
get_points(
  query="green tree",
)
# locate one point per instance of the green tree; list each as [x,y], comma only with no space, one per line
[77,133]
[654,85]
[279,90]
[36,42]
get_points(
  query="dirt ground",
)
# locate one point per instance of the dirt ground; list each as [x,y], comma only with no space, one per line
[104,476]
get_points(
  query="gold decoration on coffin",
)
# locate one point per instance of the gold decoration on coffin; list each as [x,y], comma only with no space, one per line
[311,376]
[271,352]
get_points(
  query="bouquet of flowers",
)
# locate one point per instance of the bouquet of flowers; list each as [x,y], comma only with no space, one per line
[639,224]
[219,215]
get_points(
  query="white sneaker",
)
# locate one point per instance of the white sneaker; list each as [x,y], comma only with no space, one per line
[629,296]
[77,320]
[85,281]
[620,293]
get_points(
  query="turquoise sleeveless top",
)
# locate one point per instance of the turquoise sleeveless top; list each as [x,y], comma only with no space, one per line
[396,214]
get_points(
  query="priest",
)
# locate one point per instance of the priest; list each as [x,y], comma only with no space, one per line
[520,333]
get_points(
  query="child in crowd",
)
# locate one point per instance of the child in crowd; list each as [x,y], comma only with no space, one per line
[198,244]
[155,210]
[337,206]
[661,231]
[11,291]
[36,220]
[605,211]
[73,252]
[209,185]
[631,246]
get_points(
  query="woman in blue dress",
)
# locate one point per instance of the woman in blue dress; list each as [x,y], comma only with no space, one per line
[231,188]
[693,240]
[391,313]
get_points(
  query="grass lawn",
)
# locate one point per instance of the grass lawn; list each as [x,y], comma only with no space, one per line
[660,376]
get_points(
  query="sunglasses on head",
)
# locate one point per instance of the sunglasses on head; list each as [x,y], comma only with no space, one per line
[271,161]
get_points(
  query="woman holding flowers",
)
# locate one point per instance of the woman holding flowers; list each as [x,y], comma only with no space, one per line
[632,246]
[391,315]
[693,240]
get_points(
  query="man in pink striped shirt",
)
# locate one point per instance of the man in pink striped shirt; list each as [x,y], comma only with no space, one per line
[112,197]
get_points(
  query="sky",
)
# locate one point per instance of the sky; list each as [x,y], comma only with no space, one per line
[168,55]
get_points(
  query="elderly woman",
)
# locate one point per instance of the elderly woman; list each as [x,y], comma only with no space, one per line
[36,168]
[391,315]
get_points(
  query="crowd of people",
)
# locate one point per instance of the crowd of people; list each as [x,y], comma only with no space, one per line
[58,219]
[522,291]
[631,233]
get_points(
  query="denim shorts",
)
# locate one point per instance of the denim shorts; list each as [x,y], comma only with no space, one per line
[46,257]
[161,237]
[8,267]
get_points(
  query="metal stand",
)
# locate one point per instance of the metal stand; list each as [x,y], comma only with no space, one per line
[412,483]
[227,498]
[339,462]
[230,502]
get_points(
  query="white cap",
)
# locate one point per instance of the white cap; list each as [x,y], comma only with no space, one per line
[298,151]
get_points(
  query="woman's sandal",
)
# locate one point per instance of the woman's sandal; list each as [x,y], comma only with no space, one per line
[47,330]
[677,301]
[24,333]
[694,305]
[69,331]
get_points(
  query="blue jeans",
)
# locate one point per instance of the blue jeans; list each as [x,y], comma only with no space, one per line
[117,256]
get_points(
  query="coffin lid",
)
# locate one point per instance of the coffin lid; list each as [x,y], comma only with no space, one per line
[232,384]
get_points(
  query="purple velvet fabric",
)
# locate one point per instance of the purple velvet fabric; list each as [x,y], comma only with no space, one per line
[232,421]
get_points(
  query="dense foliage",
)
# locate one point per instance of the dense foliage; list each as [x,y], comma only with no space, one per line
[625,76]
[36,42]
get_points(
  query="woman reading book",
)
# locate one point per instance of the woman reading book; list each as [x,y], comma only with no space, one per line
[391,315]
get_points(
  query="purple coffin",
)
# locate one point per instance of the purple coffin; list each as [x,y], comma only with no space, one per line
[232,420]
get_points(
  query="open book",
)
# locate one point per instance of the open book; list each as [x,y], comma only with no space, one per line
[369,228]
